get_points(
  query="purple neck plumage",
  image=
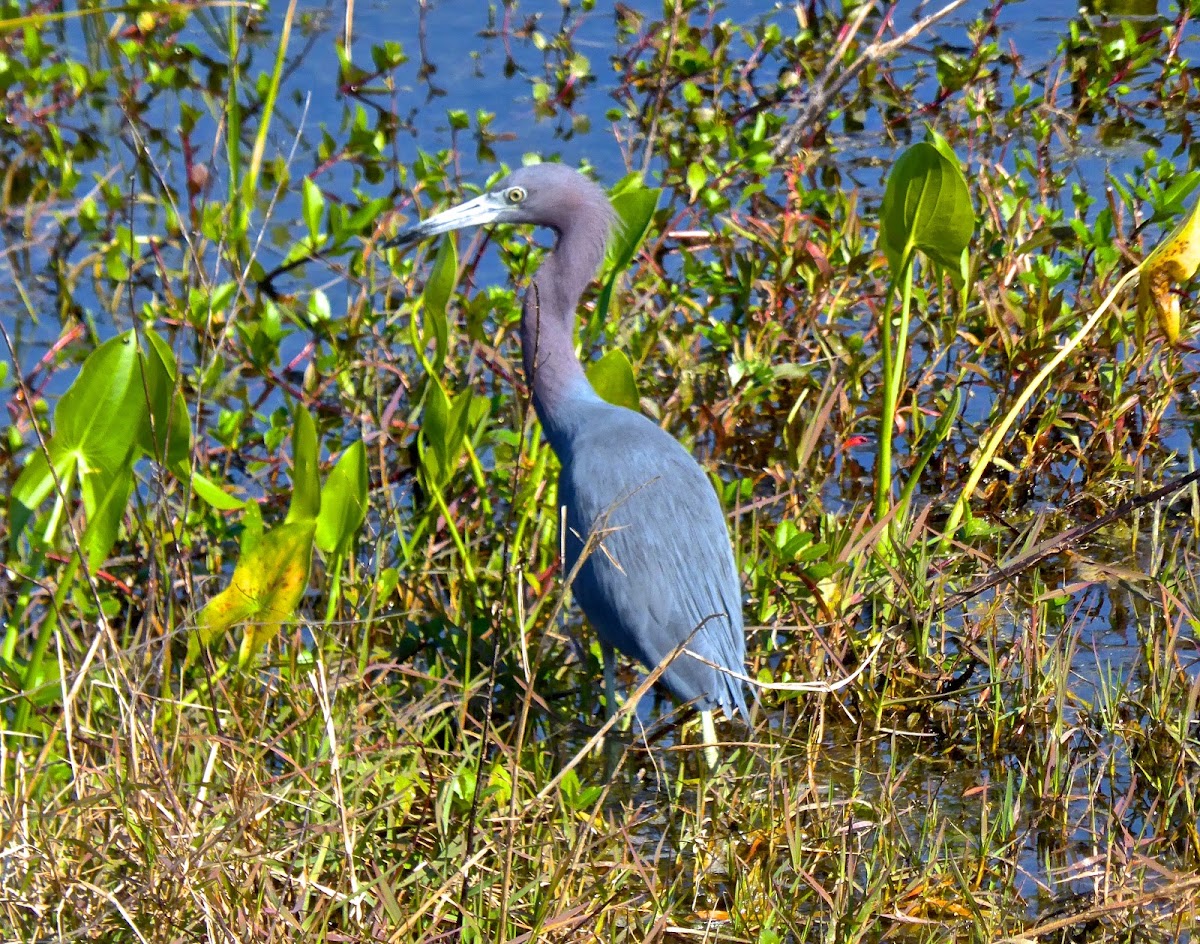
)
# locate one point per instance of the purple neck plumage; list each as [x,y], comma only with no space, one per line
[552,370]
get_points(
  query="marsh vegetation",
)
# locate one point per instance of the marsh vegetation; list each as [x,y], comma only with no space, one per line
[285,650]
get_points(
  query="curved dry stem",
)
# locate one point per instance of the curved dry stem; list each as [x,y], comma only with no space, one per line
[991,443]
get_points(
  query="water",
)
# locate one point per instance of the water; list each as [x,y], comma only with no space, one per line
[463,60]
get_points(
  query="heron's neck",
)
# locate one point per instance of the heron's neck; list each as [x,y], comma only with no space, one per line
[552,370]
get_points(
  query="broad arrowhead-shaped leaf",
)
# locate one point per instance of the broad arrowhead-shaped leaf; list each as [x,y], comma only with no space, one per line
[266,587]
[343,501]
[36,482]
[97,425]
[103,412]
[634,206]
[612,376]
[926,207]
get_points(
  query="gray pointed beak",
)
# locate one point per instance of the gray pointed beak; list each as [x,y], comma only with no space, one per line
[486,208]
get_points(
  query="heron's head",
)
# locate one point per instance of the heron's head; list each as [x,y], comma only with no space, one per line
[552,195]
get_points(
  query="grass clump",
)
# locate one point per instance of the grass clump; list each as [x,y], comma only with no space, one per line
[397,753]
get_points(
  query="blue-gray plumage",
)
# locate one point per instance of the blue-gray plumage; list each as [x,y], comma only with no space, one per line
[659,563]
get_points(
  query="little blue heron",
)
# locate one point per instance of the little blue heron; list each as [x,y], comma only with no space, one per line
[659,569]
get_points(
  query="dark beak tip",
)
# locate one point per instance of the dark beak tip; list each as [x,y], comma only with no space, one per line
[406,237]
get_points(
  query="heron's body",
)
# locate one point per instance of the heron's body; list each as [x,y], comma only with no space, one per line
[658,570]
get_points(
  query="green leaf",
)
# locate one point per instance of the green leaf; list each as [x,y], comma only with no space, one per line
[306,482]
[206,489]
[443,432]
[35,483]
[926,207]
[697,177]
[435,427]
[436,298]
[109,496]
[319,309]
[460,415]
[102,414]
[942,145]
[612,376]
[635,211]
[252,529]
[204,306]
[166,434]
[343,501]
[343,225]
[43,689]
[101,421]
[949,416]
[634,206]
[312,206]
[979,528]
[386,585]
[265,589]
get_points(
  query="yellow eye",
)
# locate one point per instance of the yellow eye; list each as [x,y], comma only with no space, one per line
[514,194]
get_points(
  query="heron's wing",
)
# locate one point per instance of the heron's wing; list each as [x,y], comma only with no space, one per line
[659,563]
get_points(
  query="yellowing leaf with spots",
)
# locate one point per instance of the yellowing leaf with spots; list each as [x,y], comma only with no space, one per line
[265,589]
[1175,259]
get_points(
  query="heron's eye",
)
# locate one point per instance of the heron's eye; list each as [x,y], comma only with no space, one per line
[515,194]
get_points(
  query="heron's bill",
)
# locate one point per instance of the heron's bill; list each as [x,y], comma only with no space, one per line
[484,209]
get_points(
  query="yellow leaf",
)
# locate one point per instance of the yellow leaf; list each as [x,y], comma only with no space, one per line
[1176,259]
[1154,290]
[266,587]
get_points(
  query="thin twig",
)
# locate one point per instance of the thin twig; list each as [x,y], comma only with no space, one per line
[1063,540]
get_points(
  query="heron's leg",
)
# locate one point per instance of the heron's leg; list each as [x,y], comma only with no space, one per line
[708,731]
[611,750]
[610,680]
